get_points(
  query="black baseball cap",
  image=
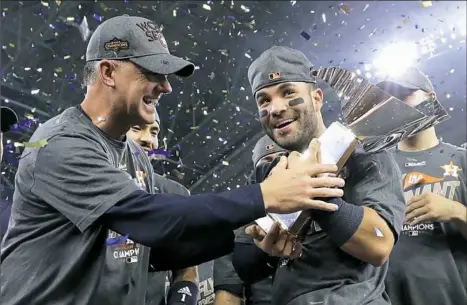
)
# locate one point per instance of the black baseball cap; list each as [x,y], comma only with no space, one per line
[8,118]
[412,79]
[264,147]
[277,65]
[139,40]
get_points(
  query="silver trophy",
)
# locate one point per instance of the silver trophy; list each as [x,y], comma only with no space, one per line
[373,118]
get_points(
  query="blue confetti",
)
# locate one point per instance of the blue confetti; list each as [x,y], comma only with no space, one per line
[160,152]
[113,241]
[305,35]
[97,17]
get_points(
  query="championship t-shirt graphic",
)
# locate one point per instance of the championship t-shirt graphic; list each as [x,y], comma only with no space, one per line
[428,265]
[430,177]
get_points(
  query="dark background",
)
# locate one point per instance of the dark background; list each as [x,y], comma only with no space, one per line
[210,122]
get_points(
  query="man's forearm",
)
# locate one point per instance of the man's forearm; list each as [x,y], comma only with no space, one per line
[373,241]
[358,230]
[226,298]
[188,274]
[460,218]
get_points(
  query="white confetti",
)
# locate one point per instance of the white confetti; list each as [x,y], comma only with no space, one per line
[324,17]
[206,7]
[378,232]
[244,8]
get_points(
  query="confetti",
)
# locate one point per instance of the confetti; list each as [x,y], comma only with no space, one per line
[38,144]
[305,35]
[160,152]
[426,3]
[344,8]
[213,114]
[378,232]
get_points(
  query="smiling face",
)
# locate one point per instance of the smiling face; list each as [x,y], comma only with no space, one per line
[291,113]
[145,135]
[135,91]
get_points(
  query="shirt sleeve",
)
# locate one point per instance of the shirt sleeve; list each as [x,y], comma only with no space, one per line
[376,183]
[74,175]
[224,272]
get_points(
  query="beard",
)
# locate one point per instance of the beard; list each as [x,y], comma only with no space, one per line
[307,129]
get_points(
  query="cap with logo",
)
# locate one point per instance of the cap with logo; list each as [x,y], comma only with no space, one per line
[412,79]
[8,118]
[264,147]
[138,40]
[277,65]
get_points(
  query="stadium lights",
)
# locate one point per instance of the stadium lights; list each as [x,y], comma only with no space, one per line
[395,58]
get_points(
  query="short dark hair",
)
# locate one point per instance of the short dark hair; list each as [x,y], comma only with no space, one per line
[89,72]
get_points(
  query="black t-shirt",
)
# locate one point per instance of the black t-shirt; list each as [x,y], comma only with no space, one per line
[428,266]
[158,282]
[255,294]
[325,273]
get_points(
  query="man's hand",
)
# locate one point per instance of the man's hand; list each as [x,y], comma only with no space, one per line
[276,242]
[431,207]
[294,183]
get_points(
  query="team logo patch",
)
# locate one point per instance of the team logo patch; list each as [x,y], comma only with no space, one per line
[270,147]
[116,45]
[414,178]
[451,170]
[274,75]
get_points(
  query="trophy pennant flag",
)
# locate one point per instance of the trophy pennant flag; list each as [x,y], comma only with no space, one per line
[373,118]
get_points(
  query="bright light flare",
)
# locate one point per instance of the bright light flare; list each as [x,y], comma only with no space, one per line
[462,25]
[395,58]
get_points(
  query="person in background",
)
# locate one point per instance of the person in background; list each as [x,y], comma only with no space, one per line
[165,287]
[147,137]
[229,288]
[344,255]
[8,119]
[428,266]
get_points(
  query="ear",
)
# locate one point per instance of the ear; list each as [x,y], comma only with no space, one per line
[106,71]
[317,97]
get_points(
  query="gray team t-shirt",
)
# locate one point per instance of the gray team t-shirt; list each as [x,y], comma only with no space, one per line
[429,263]
[55,250]
[206,283]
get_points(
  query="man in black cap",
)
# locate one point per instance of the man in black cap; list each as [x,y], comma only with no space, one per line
[229,288]
[8,118]
[428,266]
[90,188]
[344,255]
